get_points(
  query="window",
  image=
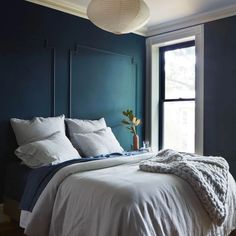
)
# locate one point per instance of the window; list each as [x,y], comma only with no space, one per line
[152,98]
[177,97]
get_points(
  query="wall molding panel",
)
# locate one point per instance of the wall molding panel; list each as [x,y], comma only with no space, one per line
[47,70]
[76,52]
[53,76]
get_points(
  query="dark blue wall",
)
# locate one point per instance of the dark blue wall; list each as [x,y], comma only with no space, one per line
[220,90]
[45,52]
[53,63]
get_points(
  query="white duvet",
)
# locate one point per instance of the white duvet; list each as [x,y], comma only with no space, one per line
[113,197]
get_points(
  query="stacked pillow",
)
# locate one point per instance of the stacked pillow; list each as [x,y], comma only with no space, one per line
[42,141]
[55,149]
[85,126]
[78,126]
[27,131]
[92,137]
[97,143]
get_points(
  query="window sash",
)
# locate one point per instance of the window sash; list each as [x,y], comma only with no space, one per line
[162,77]
[162,65]
[178,125]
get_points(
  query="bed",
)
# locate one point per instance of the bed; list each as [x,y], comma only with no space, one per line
[62,193]
[113,197]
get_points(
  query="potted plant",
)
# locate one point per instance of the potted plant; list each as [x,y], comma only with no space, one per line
[132,122]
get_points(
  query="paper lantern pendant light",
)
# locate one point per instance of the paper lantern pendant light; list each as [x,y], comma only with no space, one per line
[118,16]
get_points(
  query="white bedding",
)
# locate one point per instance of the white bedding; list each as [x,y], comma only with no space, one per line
[90,199]
[207,175]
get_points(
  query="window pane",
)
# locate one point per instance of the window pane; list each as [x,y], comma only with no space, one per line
[180,73]
[179,126]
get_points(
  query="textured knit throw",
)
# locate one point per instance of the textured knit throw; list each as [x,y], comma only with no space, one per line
[208,176]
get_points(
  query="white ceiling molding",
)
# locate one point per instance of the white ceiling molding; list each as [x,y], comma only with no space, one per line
[75,9]
[142,31]
[63,6]
[192,21]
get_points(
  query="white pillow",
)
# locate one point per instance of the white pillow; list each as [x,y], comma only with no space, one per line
[27,131]
[98,143]
[83,126]
[55,149]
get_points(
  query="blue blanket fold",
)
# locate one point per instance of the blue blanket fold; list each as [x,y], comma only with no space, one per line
[39,178]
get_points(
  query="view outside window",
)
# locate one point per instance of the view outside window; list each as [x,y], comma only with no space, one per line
[178,101]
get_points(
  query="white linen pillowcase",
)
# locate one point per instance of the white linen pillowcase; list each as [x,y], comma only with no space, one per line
[55,149]
[85,126]
[27,131]
[79,126]
[97,143]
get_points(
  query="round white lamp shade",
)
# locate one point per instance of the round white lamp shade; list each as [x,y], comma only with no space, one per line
[118,16]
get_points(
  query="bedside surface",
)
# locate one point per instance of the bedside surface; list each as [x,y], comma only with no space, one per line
[11,229]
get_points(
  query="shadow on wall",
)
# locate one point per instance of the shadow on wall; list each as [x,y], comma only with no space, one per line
[8,145]
[3,218]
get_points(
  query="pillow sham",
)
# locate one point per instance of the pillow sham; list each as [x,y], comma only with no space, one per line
[55,149]
[98,143]
[83,126]
[27,131]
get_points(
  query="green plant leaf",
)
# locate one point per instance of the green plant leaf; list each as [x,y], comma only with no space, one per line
[125,122]
[125,113]
[131,116]
[132,121]
[130,129]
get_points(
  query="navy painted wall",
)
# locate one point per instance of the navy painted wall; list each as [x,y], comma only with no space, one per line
[55,63]
[220,90]
[38,44]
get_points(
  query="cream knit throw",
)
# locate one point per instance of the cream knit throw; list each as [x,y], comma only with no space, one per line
[207,175]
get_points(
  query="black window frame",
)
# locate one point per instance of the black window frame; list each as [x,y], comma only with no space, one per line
[162,98]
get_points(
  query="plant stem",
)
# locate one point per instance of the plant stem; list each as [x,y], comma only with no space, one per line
[134,130]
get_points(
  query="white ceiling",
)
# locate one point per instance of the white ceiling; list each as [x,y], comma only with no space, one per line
[163,13]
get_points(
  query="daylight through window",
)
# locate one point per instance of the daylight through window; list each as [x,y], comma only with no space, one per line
[177,97]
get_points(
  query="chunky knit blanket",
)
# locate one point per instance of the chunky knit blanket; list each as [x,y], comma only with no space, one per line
[208,176]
